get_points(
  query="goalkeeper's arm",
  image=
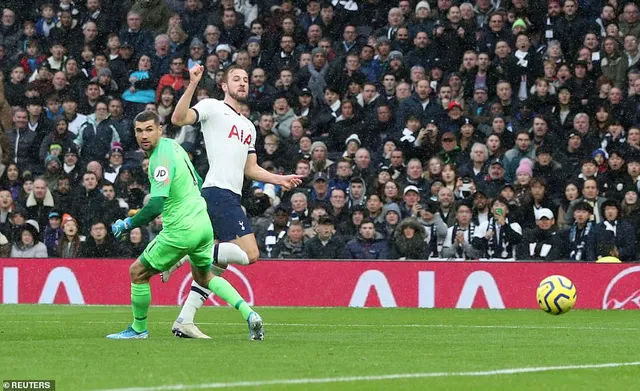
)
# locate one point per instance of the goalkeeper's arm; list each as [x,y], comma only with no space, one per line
[149,212]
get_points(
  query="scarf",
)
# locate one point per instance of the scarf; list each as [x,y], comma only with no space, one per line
[272,239]
[611,226]
[499,242]
[433,241]
[469,235]
[578,251]
[407,135]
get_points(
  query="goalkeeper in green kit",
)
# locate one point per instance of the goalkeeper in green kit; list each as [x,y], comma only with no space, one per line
[187,231]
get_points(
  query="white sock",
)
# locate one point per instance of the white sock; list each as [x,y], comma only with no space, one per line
[226,253]
[195,300]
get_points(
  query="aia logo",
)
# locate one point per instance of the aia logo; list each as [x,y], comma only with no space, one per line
[623,291]
[240,136]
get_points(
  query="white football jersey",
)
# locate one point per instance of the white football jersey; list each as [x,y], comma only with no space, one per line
[229,138]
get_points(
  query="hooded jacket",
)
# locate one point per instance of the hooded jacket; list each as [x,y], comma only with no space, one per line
[414,248]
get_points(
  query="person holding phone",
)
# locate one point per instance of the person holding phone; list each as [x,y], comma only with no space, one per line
[498,237]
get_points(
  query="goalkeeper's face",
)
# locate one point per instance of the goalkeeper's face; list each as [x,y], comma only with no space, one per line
[148,134]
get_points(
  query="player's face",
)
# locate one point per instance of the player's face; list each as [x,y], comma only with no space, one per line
[237,85]
[148,135]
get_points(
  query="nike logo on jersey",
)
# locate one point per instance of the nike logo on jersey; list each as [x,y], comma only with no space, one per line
[239,135]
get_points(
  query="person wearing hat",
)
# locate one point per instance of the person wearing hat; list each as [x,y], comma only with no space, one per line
[623,232]
[523,149]
[326,244]
[494,182]
[116,160]
[450,152]
[542,242]
[28,244]
[320,191]
[61,136]
[53,232]
[52,171]
[319,160]
[409,241]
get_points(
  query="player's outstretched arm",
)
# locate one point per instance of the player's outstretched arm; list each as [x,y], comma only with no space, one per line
[183,115]
[257,173]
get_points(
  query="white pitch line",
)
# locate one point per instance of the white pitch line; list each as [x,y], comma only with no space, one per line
[259,383]
[453,326]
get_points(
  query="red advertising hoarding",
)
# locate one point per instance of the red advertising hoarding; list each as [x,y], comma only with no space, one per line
[330,283]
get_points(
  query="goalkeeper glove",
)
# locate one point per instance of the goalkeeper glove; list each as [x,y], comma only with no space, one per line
[120,227]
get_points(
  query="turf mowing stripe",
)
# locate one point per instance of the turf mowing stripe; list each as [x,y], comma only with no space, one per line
[461,326]
[259,383]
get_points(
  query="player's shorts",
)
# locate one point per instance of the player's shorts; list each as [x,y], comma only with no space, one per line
[227,217]
[165,251]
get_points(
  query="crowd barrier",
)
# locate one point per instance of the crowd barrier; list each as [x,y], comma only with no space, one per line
[330,283]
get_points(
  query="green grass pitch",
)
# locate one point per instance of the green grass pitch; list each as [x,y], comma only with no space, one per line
[444,349]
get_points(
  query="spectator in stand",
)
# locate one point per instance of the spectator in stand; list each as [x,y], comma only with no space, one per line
[88,201]
[623,231]
[100,243]
[53,233]
[542,242]
[22,143]
[498,237]
[39,203]
[409,241]
[579,237]
[369,244]
[27,244]
[292,245]
[325,245]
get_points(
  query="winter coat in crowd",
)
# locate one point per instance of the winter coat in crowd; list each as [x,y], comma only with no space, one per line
[409,248]
[315,249]
[361,248]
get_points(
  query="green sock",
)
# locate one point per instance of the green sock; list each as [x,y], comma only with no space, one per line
[140,301]
[228,293]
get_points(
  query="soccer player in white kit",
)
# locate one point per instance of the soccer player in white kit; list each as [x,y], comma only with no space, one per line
[230,142]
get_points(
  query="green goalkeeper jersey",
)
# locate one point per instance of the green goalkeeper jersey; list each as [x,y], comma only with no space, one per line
[172,175]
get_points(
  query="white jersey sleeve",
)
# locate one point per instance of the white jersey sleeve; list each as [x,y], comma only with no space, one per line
[229,137]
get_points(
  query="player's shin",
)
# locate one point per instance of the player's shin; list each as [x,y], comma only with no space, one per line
[228,293]
[196,298]
[226,253]
[140,302]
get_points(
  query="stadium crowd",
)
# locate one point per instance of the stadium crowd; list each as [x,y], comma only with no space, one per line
[431,129]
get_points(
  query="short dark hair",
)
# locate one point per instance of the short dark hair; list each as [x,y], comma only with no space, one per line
[147,116]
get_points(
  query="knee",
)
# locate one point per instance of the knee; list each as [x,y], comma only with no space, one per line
[136,273]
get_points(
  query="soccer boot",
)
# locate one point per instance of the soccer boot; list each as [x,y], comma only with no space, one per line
[256,331]
[188,330]
[129,333]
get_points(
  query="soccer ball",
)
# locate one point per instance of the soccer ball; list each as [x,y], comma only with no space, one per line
[556,295]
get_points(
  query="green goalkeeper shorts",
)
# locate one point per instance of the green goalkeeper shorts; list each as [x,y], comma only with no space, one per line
[169,247]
